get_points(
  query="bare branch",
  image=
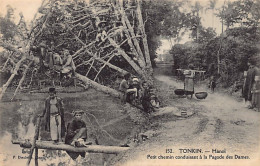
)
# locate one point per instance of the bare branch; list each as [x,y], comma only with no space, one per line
[81,18]
[22,79]
[81,25]
[103,66]
[9,59]
[5,86]
[90,67]
[85,62]
[109,64]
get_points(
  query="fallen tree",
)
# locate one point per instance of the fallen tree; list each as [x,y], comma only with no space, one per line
[104,37]
[61,146]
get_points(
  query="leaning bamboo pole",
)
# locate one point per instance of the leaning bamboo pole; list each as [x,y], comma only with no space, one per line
[145,42]
[61,146]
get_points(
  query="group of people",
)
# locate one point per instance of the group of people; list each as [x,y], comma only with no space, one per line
[251,87]
[53,114]
[132,91]
[61,63]
[75,133]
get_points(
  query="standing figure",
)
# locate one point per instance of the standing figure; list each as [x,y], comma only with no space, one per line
[244,83]
[256,93]
[123,87]
[212,83]
[76,134]
[146,98]
[249,82]
[189,82]
[54,116]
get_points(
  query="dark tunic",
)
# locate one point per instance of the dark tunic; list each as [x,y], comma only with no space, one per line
[256,91]
[77,128]
[123,88]
[73,129]
[251,73]
[47,116]
[146,100]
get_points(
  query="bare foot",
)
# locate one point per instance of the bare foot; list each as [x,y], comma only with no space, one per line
[73,143]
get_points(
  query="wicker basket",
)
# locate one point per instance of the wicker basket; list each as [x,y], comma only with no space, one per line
[201,95]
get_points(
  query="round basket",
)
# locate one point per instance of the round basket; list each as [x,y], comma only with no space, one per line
[179,92]
[201,95]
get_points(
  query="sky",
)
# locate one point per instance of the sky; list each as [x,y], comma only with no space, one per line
[30,7]
[27,7]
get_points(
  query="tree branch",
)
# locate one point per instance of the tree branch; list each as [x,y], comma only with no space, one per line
[145,43]
[98,86]
[103,67]
[22,79]
[5,86]
[93,60]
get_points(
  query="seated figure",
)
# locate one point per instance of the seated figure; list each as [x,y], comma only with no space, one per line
[68,64]
[124,88]
[149,100]
[76,133]
[134,90]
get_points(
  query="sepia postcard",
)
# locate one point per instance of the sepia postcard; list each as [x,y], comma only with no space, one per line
[129,82]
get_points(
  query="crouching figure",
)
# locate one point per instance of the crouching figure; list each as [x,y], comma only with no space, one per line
[76,133]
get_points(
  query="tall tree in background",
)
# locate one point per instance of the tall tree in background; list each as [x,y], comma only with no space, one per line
[7,25]
[228,53]
[212,6]
[166,19]
[197,8]
[240,12]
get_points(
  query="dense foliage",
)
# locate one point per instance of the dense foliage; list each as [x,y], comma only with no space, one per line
[167,19]
[233,48]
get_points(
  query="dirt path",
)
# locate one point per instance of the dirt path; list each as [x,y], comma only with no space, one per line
[219,122]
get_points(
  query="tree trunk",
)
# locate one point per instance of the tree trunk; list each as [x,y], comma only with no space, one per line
[218,56]
[90,148]
[145,43]
[139,59]
[5,86]
[127,58]
[22,79]
[112,66]
[104,65]
[98,86]
[131,30]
